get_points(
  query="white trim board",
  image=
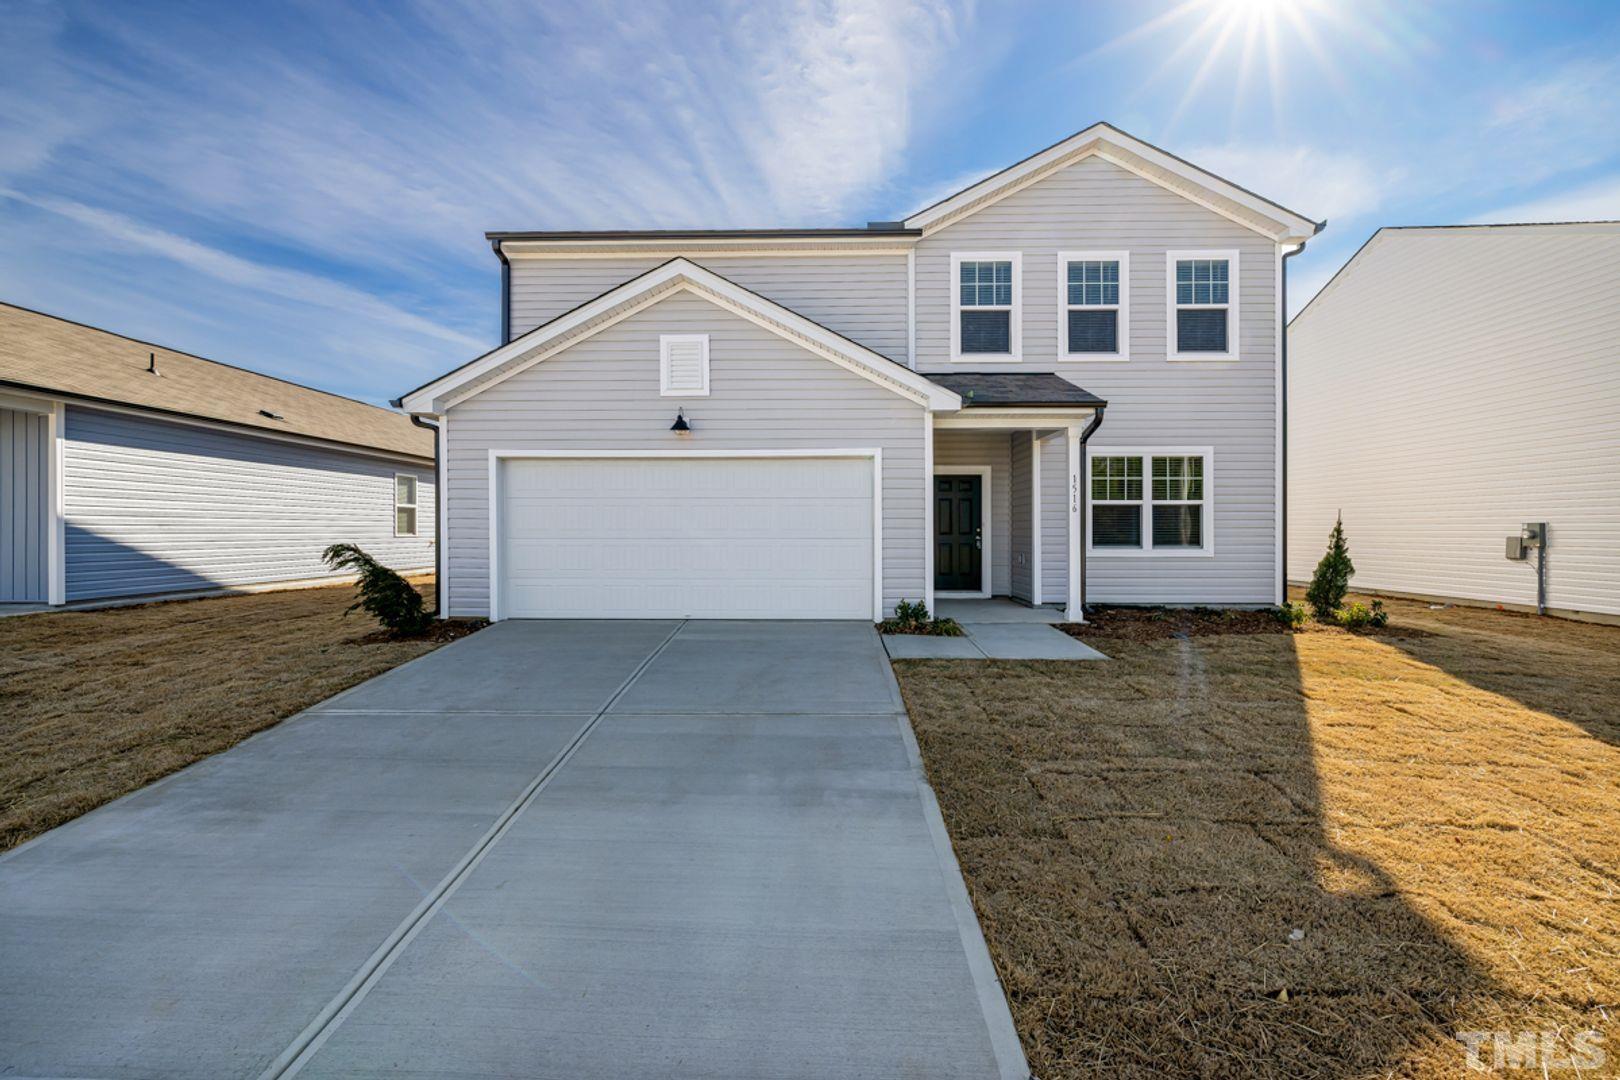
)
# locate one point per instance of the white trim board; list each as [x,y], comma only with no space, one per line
[1098,140]
[987,516]
[640,292]
[496,456]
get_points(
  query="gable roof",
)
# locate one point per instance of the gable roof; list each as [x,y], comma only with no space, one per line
[639,292]
[52,355]
[1510,228]
[1146,160]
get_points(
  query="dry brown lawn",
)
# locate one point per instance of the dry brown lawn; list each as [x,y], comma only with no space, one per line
[95,704]
[1436,808]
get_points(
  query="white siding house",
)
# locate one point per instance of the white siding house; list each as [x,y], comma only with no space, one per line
[130,470]
[626,449]
[1449,386]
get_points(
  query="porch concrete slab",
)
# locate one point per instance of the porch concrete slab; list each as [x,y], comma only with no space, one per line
[767,667]
[1028,641]
[193,928]
[530,666]
[997,609]
[927,647]
[714,896]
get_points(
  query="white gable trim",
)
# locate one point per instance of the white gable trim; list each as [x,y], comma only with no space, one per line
[1096,141]
[677,275]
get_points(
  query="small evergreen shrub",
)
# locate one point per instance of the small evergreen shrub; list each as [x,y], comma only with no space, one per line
[1291,614]
[912,618]
[384,595]
[1356,617]
[1380,617]
[1332,578]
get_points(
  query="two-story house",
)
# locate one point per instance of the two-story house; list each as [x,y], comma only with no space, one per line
[819,423]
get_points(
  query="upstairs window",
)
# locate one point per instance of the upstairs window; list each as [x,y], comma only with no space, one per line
[404,504]
[985,302]
[1151,502]
[1203,291]
[1094,293]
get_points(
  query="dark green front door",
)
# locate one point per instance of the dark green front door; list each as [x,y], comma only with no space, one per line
[958,525]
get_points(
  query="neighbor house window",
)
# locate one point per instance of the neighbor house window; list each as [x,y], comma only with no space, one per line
[1151,502]
[404,505]
[985,301]
[1203,291]
[1094,301]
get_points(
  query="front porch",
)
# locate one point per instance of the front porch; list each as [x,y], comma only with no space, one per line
[1007,505]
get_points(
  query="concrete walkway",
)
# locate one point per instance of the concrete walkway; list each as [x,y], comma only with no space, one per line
[551,849]
[995,629]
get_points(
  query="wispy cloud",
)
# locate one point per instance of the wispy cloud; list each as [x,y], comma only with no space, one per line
[1595,201]
[1320,183]
[350,159]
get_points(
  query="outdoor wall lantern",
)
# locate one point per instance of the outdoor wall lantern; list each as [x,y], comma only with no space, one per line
[680,427]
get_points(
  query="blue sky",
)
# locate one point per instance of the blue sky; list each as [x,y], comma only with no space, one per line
[303,188]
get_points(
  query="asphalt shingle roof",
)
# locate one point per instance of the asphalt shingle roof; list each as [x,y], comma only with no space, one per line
[1015,388]
[42,352]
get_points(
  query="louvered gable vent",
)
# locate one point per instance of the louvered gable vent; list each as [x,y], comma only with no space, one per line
[683,365]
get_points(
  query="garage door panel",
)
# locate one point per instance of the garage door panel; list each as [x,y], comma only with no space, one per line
[697,538]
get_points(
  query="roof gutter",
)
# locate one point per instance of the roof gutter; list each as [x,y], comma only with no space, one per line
[438,494]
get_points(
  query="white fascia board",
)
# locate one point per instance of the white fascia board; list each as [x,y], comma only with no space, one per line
[678,273]
[1292,227]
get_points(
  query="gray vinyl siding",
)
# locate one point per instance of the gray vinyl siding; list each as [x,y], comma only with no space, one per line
[862,297]
[1230,406]
[602,394]
[24,507]
[153,506]
[1022,501]
[992,448]
[1440,413]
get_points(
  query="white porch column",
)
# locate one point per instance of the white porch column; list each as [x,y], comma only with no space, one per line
[928,511]
[1074,609]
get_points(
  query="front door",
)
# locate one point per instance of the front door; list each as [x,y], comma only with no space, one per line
[958,531]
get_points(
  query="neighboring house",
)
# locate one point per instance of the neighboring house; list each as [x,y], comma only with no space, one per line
[132,470]
[1449,386]
[819,423]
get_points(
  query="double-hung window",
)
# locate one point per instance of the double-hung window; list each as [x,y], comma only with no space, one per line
[1202,288]
[1151,501]
[1094,305]
[986,294]
[404,504]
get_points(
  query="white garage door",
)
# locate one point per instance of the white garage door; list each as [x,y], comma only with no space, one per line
[701,538]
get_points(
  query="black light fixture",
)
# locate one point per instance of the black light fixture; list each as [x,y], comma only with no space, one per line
[680,426]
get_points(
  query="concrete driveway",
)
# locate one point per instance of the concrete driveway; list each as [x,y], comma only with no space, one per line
[553,849]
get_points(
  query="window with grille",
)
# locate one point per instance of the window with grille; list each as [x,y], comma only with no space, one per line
[1094,292]
[1203,300]
[1148,502]
[985,299]
[404,504]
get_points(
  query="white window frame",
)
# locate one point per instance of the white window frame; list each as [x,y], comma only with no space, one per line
[415,505]
[1233,311]
[1015,320]
[1123,335]
[1147,454]
[664,343]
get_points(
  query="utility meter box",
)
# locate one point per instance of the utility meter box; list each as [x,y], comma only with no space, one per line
[1516,549]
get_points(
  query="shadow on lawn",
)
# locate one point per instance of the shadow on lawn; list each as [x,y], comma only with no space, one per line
[1560,667]
[1143,843]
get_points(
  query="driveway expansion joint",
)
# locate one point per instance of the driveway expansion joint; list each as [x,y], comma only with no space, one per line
[331,1017]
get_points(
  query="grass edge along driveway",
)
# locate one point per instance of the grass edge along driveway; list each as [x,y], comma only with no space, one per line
[96,704]
[1305,855]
